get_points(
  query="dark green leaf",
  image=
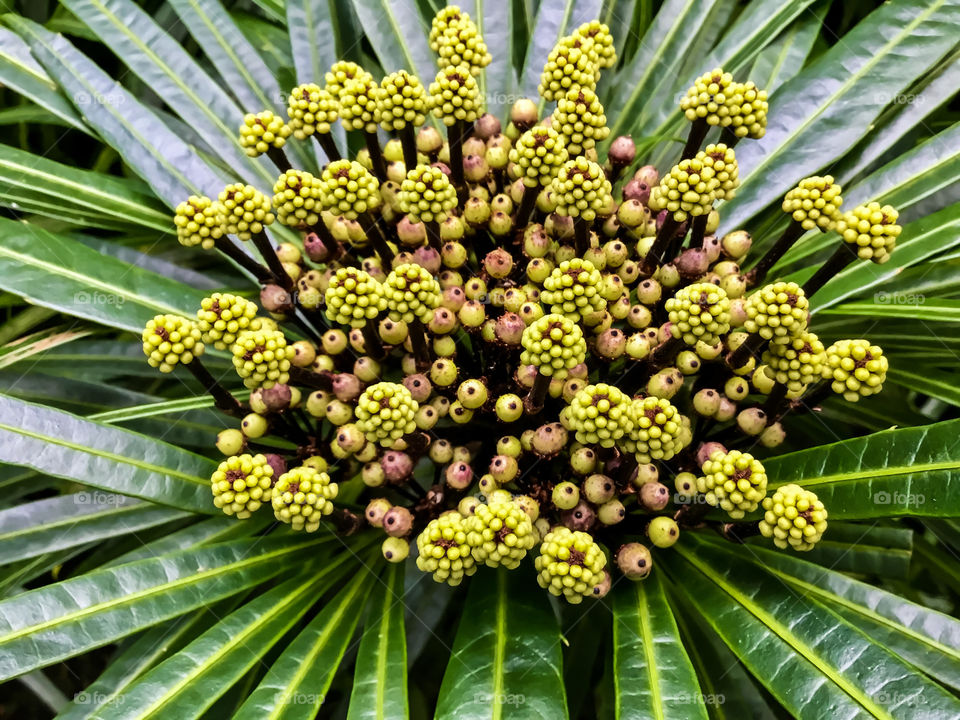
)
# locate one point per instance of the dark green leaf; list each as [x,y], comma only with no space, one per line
[785,56]
[104,457]
[498,81]
[44,626]
[398,35]
[653,677]
[864,549]
[380,678]
[506,658]
[57,523]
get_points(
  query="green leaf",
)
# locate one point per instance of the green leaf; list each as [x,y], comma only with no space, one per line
[169,70]
[922,636]
[297,683]
[887,306]
[157,154]
[818,115]
[57,272]
[188,683]
[312,26]
[652,674]
[62,522]
[104,457]
[939,384]
[117,198]
[864,549]
[164,407]
[380,678]
[20,72]
[506,657]
[555,18]
[398,35]
[44,626]
[785,56]
[498,81]
[245,74]
[906,471]
[812,662]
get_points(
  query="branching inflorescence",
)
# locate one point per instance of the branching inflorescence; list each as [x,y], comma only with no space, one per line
[510,284]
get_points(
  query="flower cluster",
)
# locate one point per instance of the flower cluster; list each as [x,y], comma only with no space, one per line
[500,345]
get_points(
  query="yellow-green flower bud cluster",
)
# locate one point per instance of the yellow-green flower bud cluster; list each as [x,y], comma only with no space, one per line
[386,412]
[412,293]
[246,210]
[733,481]
[855,368]
[342,72]
[747,107]
[726,172]
[538,154]
[603,46]
[570,564]
[262,358]
[580,119]
[455,95]
[500,533]
[573,289]
[814,202]
[580,189]
[302,496]
[570,64]
[402,101]
[223,316]
[298,199]
[657,429]
[263,131]
[354,297]
[349,189]
[707,98]
[778,310]
[688,190]
[427,195]
[872,229]
[311,109]
[699,312]
[457,41]
[795,361]
[171,340]
[241,484]
[357,104]
[444,550]
[600,415]
[198,221]
[793,517]
[554,344]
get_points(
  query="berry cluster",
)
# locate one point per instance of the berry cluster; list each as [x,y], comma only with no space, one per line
[511,340]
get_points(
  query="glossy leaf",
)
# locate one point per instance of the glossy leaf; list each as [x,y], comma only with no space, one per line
[935,383]
[819,114]
[118,198]
[44,626]
[498,81]
[57,523]
[809,659]
[20,72]
[555,18]
[169,70]
[398,35]
[652,674]
[885,306]
[930,637]
[785,56]
[56,272]
[380,678]
[157,154]
[905,471]
[188,683]
[296,684]
[864,550]
[506,656]
[104,457]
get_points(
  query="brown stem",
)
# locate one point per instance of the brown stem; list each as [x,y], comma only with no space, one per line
[748,348]
[698,229]
[408,141]
[433,235]
[665,352]
[842,257]
[317,380]
[328,146]
[376,155]
[581,235]
[664,236]
[227,247]
[266,249]
[221,396]
[739,532]
[421,350]
[698,131]
[527,204]
[728,137]
[371,340]
[455,135]
[371,226]
[774,407]
[279,159]
[790,236]
[538,393]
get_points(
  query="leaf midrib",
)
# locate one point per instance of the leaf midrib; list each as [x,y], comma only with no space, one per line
[116,603]
[871,472]
[643,616]
[106,454]
[500,643]
[787,636]
[73,520]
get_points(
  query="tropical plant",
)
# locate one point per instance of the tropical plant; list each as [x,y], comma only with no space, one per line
[480,336]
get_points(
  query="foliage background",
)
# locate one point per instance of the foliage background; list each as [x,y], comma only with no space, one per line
[889,132]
